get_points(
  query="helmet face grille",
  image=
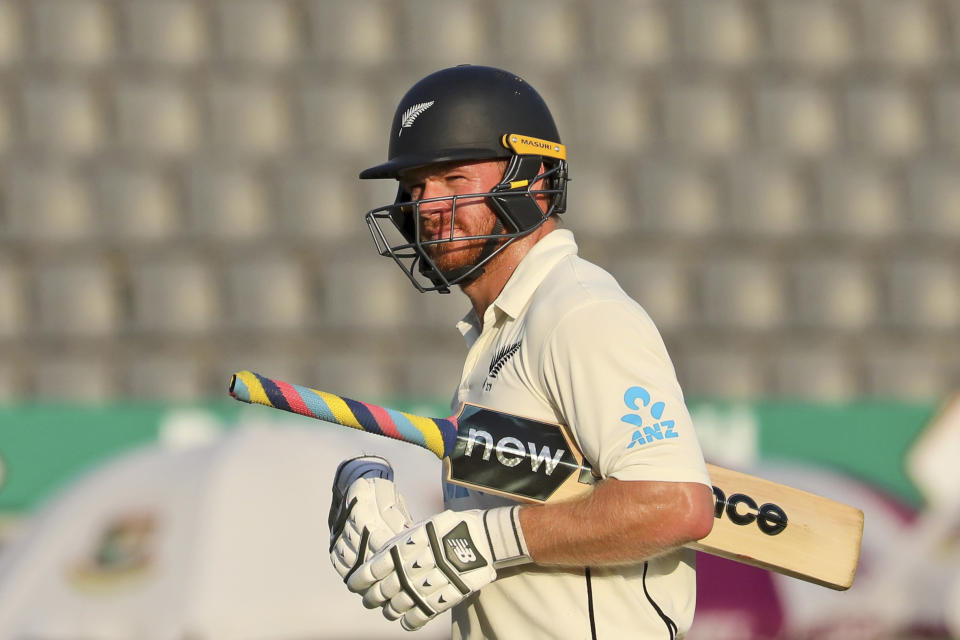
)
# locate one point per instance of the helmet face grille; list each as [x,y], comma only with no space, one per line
[397,233]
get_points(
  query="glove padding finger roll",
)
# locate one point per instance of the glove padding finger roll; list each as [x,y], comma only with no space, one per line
[439,562]
[367,511]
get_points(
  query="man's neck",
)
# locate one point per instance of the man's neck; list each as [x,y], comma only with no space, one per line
[485,289]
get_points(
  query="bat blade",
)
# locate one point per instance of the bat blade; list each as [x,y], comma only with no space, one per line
[757,522]
[780,528]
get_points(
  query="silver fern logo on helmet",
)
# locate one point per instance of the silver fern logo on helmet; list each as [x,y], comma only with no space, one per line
[411,114]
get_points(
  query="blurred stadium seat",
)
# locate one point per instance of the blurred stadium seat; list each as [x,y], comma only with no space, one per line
[722,372]
[167,376]
[168,34]
[724,33]
[703,118]
[601,189]
[812,36]
[72,32]
[614,115]
[11,33]
[424,373]
[364,292]
[742,293]
[61,117]
[226,202]
[10,381]
[858,198]
[934,198]
[267,293]
[901,33]
[7,127]
[14,314]
[156,117]
[835,294]
[83,378]
[797,118]
[676,198]
[258,32]
[820,372]
[441,31]
[77,297]
[908,371]
[946,100]
[47,204]
[135,202]
[317,202]
[635,34]
[174,294]
[767,197]
[361,32]
[555,44]
[885,119]
[343,117]
[925,293]
[248,118]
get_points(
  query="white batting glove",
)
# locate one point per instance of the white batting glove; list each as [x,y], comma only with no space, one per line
[367,510]
[439,562]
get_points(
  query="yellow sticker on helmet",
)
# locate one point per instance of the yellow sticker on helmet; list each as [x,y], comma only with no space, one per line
[526,145]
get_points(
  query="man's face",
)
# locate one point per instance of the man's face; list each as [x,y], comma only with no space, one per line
[474,217]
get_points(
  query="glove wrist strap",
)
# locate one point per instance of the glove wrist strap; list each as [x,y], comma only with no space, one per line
[506,537]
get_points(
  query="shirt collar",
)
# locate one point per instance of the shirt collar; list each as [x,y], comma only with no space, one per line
[528,275]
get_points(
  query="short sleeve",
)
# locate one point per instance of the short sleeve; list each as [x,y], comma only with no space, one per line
[607,371]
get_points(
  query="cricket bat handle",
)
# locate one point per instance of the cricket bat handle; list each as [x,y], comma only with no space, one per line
[439,435]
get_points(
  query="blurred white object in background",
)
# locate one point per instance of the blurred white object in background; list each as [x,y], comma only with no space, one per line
[932,460]
[223,539]
[953,609]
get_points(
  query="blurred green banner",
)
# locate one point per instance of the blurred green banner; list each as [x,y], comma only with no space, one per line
[43,446]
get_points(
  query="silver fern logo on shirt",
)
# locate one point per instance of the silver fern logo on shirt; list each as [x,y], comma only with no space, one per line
[496,363]
[410,115]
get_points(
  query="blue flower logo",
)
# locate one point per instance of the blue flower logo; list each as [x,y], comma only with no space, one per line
[637,399]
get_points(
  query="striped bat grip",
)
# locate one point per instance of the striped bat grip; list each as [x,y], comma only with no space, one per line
[439,435]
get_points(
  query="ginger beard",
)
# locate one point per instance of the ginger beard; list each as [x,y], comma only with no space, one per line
[474,218]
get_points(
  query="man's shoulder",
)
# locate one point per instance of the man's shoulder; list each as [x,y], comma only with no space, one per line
[574,282]
[575,285]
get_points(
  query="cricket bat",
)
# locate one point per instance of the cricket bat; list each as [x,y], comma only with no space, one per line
[757,522]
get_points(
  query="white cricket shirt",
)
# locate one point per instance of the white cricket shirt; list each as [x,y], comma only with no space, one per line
[564,343]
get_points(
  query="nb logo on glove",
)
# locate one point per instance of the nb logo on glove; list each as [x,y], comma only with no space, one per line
[459,549]
[462,548]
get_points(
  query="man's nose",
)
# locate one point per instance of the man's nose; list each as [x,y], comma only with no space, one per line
[433,189]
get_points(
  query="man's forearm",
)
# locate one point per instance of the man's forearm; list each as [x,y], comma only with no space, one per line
[619,522]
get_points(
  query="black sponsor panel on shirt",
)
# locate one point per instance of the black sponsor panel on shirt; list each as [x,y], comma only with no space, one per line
[511,454]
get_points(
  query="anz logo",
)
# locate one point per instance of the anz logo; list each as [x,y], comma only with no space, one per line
[637,398]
